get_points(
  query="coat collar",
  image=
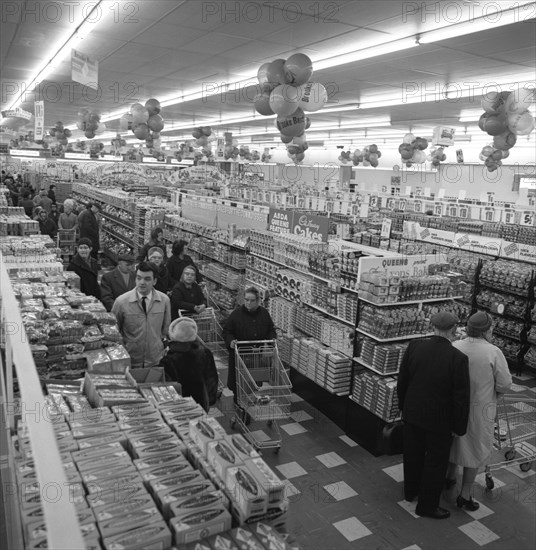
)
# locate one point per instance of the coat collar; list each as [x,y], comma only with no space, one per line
[133,296]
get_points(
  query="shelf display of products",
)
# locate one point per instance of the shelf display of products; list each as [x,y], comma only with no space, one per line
[377,394]
[507,277]
[14,221]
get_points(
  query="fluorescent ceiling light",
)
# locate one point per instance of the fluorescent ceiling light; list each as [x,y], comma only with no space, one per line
[62,47]
[493,18]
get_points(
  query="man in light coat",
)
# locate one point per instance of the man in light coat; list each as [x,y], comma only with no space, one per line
[143,316]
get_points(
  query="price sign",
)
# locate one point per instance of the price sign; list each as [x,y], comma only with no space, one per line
[527,218]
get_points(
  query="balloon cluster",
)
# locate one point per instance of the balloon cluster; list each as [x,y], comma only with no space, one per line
[412,149]
[230,149]
[246,154]
[23,142]
[89,122]
[202,135]
[145,122]
[505,117]
[266,156]
[285,90]
[96,148]
[60,133]
[436,156]
[368,156]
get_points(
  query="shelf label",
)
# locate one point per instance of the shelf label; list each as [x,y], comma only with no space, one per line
[518,251]
[477,243]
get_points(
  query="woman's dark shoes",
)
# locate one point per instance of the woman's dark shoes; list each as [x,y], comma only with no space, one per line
[438,513]
[470,504]
[449,483]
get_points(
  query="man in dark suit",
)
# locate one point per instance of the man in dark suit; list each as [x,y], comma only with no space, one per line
[118,281]
[433,394]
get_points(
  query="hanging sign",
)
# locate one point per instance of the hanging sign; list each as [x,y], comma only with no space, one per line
[39,129]
[311,226]
[84,69]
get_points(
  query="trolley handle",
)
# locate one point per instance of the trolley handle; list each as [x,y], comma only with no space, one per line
[245,342]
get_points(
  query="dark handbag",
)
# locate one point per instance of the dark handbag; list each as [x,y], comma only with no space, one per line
[392,442]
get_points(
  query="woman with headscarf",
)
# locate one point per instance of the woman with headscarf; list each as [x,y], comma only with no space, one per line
[489,376]
[164,282]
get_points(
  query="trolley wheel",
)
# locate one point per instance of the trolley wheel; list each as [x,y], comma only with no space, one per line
[276,450]
[233,423]
[245,417]
[525,466]
[510,455]
[490,484]
[269,423]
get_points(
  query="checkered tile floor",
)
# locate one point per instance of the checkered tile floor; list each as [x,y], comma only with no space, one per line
[342,497]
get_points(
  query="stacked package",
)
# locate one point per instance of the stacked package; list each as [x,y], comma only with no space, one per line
[383,358]
[283,314]
[376,393]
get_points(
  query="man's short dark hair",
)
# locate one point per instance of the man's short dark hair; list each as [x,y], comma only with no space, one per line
[147,266]
[178,247]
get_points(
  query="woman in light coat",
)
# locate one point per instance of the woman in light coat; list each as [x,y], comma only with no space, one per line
[489,376]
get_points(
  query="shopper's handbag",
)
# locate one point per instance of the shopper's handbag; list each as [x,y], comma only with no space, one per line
[392,438]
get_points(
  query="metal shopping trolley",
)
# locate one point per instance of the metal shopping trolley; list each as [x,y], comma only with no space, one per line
[66,244]
[515,435]
[210,331]
[263,391]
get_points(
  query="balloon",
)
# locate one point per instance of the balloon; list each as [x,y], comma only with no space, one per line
[299,140]
[90,134]
[482,120]
[494,102]
[300,157]
[422,143]
[487,151]
[482,157]
[373,157]
[496,155]
[206,130]
[197,133]
[153,106]
[275,72]
[373,148]
[101,128]
[495,125]
[262,74]
[141,131]
[292,125]
[298,69]
[140,116]
[520,100]
[419,156]
[286,139]
[62,141]
[374,163]
[408,138]
[125,122]
[262,104]
[521,124]
[307,123]
[505,154]
[202,141]
[59,125]
[58,134]
[313,96]
[406,155]
[284,100]
[67,132]
[505,141]
[294,149]
[156,123]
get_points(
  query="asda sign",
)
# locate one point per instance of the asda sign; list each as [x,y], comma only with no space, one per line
[306,225]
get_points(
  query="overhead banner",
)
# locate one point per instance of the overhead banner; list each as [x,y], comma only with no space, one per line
[298,223]
[84,69]
[39,129]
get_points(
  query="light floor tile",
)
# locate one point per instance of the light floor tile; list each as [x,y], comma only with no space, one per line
[291,470]
[524,407]
[482,512]
[290,489]
[215,412]
[478,532]
[348,441]
[330,460]
[517,387]
[481,480]
[352,529]
[300,416]
[409,507]
[293,428]
[340,490]
[396,472]
[523,376]
[514,468]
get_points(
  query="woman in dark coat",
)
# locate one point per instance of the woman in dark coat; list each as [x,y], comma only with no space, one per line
[190,363]
[157,239]
[187,294]
[179,260]
[88,227]
[164,283]
[86,268]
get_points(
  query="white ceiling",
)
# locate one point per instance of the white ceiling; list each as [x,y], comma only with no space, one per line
[166,48]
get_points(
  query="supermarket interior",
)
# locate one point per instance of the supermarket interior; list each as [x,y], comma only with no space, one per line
[364,166]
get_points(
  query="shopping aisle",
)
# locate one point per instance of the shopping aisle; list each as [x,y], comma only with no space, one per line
[343,497]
